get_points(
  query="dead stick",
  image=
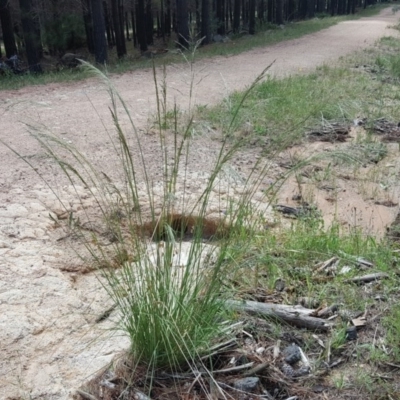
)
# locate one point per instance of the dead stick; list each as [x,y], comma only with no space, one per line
[285,313]
[85,395]
[368,278]
[257,369]
[233,369]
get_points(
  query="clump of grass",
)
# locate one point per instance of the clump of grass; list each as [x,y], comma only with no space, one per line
[169,295]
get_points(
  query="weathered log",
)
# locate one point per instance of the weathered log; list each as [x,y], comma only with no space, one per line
[295,315]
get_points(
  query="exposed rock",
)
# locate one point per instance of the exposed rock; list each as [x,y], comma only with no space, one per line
[246,384]
[292,354]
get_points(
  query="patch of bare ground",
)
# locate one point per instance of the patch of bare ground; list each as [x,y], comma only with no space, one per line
[54,330]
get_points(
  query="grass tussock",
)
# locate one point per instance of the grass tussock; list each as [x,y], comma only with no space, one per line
[168,292]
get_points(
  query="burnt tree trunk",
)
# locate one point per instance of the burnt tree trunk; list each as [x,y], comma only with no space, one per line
[141,25]
[261,10]
[220,13]
[252,17]
[7,29]
[149,23]
[310,8]
[270,14]
[291,10]
[133,29]
[333,7]
[321,6]
[168,18]
[110,36]
[87,21]
[182,23]
[30,35]
[99,32]
[205,21]
[119,39]
[279,12]
[121,23]
[236,16]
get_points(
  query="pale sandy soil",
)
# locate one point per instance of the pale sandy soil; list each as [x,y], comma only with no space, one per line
[48,340]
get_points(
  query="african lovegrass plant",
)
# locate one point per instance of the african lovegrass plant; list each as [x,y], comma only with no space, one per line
[168,292]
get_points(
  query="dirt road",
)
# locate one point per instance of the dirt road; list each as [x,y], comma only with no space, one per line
[49,342]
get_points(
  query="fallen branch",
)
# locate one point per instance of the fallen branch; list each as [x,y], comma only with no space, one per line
[295,315]
[368,278]
[196,373]
[229,387]
[233,369]
[257,369]
[85,395]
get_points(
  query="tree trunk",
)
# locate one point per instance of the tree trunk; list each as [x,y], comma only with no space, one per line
[30,35]
[244,13]
[236,16]
[141,25]
[168,18]
[117,28]
[121,23]
[205,22]
[270,14]
[110,35]
[182,23]
[230,14]
[7,29]
[261,10]
[133,29]
[340,7]
[220,11]
[149,23]
[162,20]
[128,36]
[302,9]
[321,6]
[252,17]
[310,8]
[87,21]
[279,12]
[333,7]
[291,10]
[99,32]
